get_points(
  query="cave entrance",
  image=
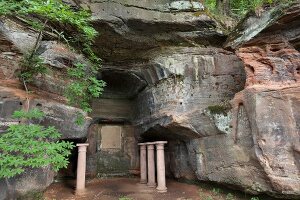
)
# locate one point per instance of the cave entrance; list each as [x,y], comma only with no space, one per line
[177,163]
[69,173]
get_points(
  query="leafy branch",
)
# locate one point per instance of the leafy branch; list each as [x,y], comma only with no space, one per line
[74,27]
[28,145]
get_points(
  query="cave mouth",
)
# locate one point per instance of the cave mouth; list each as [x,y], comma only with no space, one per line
[169,133]
[69,173]
[177,163]
[121,84]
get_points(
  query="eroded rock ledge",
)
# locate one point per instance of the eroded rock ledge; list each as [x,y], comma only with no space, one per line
[129,29]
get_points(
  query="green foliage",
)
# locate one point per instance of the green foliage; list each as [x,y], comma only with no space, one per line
[229,196]
[84,87]
[80,119]
[211,5]
[218,109]
[53,10]
[75,29]
[125,198]
[29,145]
[209,198]
[31,65]
[33,114]
[216,191]
[254,198]
[7,7]
[238,8]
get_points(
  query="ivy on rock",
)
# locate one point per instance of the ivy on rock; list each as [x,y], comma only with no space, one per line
[83,87]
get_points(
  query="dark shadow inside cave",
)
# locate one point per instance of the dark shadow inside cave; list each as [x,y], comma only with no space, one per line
[121,84]
[70,172]
[176,152]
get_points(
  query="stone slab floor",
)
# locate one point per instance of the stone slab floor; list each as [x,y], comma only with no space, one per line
[130,189]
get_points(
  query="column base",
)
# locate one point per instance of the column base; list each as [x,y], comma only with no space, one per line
[161,190]
[151,185]
[143,181]
[80,192]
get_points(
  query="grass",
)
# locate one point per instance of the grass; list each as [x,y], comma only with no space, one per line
[125,198]
[239,8]
[219,194]
[218,109]
[215,191]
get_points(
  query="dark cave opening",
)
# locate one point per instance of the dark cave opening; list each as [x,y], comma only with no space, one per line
[70,171]
[177,163]
[121,84]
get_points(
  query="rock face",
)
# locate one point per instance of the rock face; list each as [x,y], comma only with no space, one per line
[47,98]
[184,92]
[130,28]
[29,182]
[271,100]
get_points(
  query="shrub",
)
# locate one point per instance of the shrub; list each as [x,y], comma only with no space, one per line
[28,145]
[238,8]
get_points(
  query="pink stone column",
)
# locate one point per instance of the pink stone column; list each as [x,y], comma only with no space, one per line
[143,162]
[161,173]
[81,166]
[151,165]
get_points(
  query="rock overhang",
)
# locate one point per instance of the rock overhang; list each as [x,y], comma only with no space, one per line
[282,21]
[128,29]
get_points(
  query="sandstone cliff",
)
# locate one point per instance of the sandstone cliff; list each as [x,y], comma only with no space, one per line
[229,109]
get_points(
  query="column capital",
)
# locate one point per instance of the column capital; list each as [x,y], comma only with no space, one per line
[161,142]
[82,144]
[149,143]
[160,145]
[82,147]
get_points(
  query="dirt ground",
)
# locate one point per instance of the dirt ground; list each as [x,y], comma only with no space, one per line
[121,188]
[131,189]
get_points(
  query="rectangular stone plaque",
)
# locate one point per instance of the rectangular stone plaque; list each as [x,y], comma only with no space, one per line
[111,137]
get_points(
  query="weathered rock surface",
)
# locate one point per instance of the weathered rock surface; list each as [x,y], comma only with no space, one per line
[33,180]
[185,101]
[278,22]
[43,96]
[183,84]
[48,99]
[271,100]
[128,29]
[22,37]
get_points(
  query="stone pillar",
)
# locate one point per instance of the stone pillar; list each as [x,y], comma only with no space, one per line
[161,173]
[143,162]
[81,166]
[151,165]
